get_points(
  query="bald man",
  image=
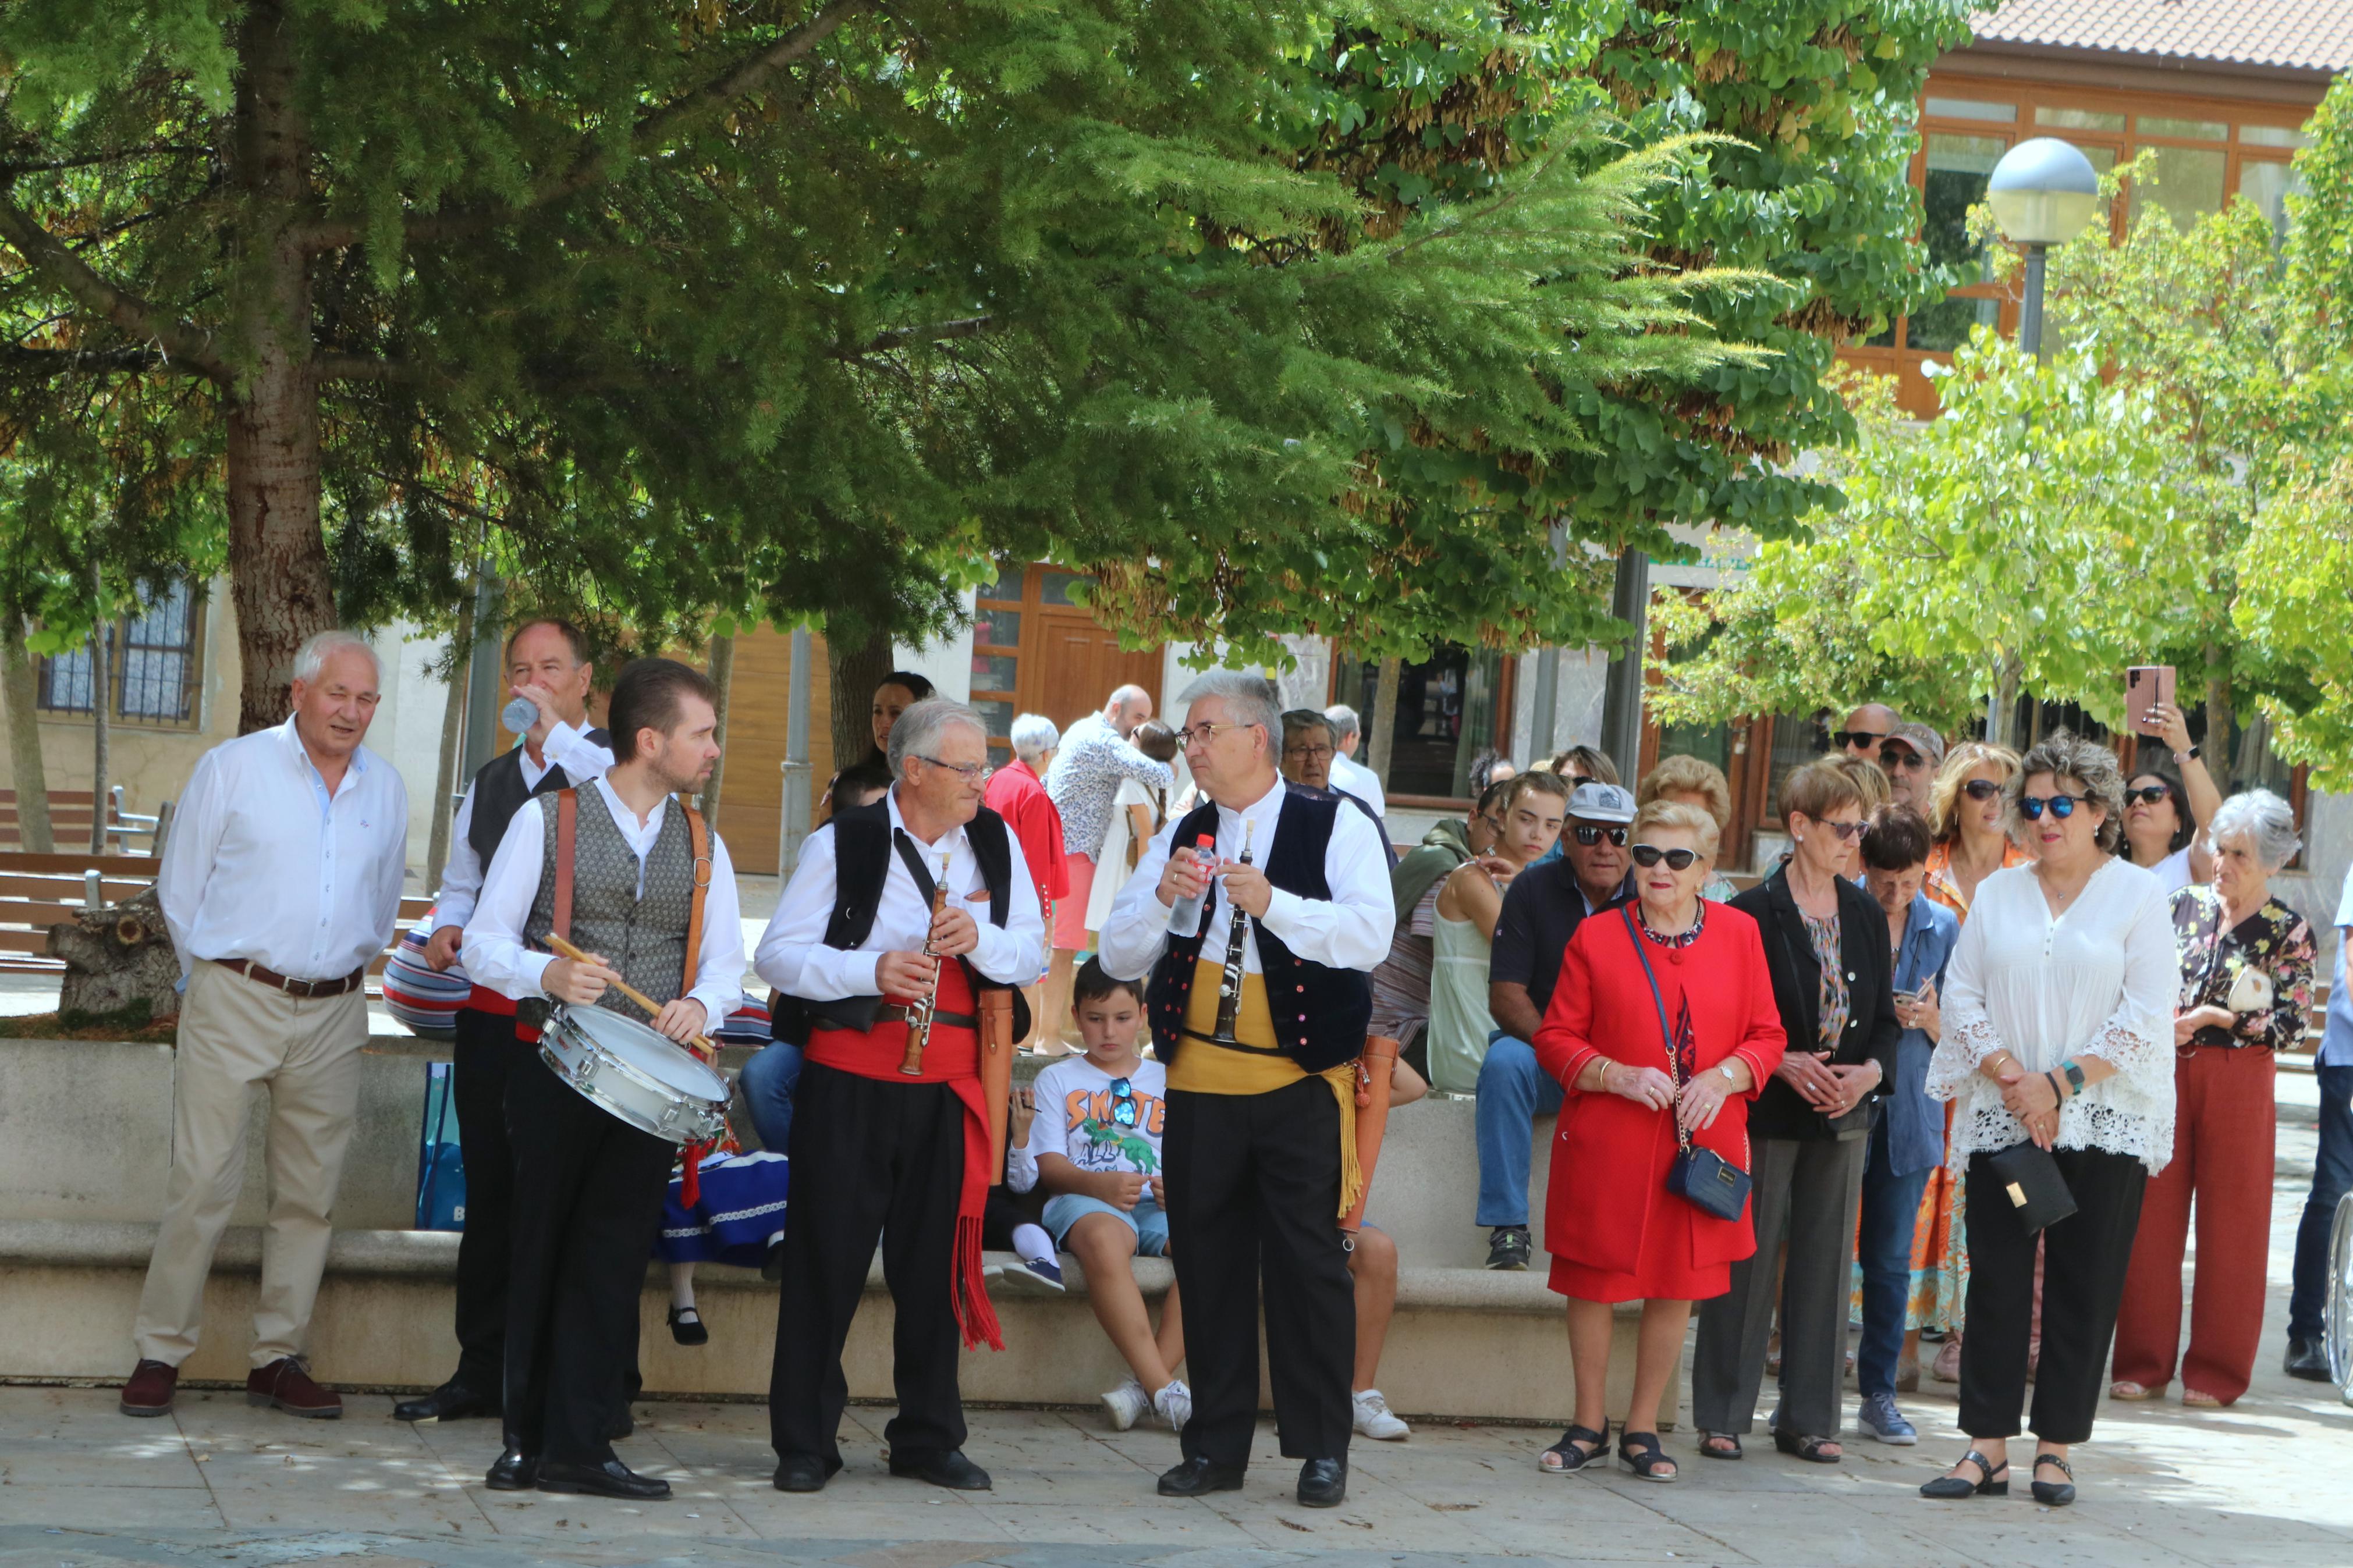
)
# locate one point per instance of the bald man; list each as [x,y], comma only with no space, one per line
[1865,727]
[1095,758]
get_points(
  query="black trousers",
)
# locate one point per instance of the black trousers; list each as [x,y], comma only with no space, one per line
[871,1161]
[482,1058]
[588,1206]
[2083,1261]
[1253,1200]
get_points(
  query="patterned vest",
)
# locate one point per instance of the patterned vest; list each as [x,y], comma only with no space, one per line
[643,938]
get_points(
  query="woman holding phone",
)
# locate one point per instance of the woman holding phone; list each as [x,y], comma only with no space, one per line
[2164,812]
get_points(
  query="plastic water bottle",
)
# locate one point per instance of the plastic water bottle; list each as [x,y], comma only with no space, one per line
[519,715]
[1184,914]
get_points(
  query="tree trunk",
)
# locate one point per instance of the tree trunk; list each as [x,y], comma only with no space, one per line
[453,728]
[2001,714]
[2215,748]
[20,692]
[723,674]
[101,695]
[858,667]
[1384,720]
[277,557]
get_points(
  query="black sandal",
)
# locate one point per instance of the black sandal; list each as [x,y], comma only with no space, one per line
[1706,1452]
[1954,1489]
[686,1327]
[2053,1494]
[1807,1449]
[1573,1459]
[1640,1452]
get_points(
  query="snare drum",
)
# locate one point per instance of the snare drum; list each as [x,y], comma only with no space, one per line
[636,1073]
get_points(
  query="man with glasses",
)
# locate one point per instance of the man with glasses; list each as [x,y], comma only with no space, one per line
[1545,905]
[1910,757]
[1867,729]
[1311,753]
[877,1152]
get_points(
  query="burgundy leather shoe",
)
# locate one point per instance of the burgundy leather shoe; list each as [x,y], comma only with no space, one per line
[286,1383]
[149,1389]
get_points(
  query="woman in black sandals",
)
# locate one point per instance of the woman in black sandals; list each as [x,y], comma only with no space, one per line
[2058,1032]
[1661,1028]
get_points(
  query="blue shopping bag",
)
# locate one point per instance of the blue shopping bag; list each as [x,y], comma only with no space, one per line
[440,1162]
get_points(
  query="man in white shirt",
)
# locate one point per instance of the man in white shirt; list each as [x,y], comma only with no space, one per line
[641,883]
[1259,1046]
[881,1152]
[280,881]
[547,663]
[1348,776]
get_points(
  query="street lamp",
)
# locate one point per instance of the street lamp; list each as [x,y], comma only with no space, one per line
[2042,193]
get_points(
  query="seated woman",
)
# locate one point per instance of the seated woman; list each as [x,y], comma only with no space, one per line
[1462,929]
[1661,1030]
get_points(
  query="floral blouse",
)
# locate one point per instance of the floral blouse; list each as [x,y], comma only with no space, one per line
[2266,960]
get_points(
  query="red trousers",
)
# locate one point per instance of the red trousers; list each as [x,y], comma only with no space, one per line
[2225,1124]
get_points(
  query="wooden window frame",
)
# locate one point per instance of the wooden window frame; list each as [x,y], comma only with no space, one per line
[118,644]
[1506,694]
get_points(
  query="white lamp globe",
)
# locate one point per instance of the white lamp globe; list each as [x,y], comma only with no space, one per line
[2043,192]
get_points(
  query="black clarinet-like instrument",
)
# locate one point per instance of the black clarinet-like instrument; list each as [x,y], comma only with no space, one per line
[1230,984]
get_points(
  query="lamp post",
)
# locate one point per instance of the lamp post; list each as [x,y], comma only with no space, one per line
[2042,193]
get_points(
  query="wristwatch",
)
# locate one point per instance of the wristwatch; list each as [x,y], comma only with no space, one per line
[1725,1068]
[2188,756]
[2075,1072]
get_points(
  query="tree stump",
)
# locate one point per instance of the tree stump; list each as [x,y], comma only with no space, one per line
[117,957]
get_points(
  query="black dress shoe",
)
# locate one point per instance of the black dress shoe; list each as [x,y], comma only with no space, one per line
[624,1425]
[803,1473]
[2307,1359]
[1322,1483]
[453,1401]
[516,1471]
[943,1468]
[1198,1478]
[611,1479]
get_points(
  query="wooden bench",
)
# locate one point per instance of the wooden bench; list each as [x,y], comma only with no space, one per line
[69,818]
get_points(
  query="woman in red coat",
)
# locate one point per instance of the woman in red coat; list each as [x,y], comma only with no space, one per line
[1614,1231]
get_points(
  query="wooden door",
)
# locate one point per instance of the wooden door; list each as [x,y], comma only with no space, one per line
[1077,665]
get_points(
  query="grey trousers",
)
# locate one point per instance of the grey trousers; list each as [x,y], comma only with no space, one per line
[1808,1190]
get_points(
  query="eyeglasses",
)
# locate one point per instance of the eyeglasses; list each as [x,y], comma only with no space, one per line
[2062,806]
[1648,855]
[1844,739]
[1847,830]
[1201,734]
[1981,789]
[1310,753]
[1901,757]
[1589,834]
[971,772]
[1495,824]
[2148,794]
[1122,1102]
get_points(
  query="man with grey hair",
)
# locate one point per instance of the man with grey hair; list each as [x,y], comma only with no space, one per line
[281,882]
[1095,758]
[1017,792]
[880,1153]
[1350,776]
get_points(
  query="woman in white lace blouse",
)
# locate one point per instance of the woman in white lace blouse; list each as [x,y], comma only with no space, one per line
[2058,1028]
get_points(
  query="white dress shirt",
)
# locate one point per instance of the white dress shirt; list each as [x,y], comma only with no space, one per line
[494,952]
[263,864]
[793,957]
[1350,776]
[570,749]
[1349,931]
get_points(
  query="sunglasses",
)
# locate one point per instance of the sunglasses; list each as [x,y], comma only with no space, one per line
[2062,806]
[1649,855]
[2148,794]
[1893,756]
[1981,789]
[1588,835]
[1845,738]
[1846,830]
[1122,1102]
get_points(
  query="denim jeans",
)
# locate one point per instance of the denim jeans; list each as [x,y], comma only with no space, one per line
[1513,1092]
[767,1083]
[2332,1173]
[1891,1203]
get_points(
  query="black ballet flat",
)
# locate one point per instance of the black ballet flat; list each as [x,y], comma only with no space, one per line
[2053,1494]
[686,1327]
[1956,1488]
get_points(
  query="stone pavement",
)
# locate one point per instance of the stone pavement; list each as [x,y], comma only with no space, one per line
[221,1484]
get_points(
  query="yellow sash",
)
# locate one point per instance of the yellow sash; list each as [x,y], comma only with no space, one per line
[1201,1068]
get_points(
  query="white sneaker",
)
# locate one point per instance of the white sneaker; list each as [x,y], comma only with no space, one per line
[1126,1403]
[1374,1419]
[1174,1404]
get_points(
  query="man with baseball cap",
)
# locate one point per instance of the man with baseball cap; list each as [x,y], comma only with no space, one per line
[1911,754]
[1543,909]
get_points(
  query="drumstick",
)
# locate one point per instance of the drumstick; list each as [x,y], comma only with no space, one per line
[700,1045]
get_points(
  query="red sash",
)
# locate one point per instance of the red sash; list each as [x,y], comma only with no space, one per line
[951,1057]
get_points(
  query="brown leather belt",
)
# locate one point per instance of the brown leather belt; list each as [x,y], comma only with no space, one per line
[893,1014]
[303,988]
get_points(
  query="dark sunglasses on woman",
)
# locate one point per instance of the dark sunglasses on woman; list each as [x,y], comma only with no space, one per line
[2062,806]
[1590,835]
[2148,794]
[1981,789]
[1649,855]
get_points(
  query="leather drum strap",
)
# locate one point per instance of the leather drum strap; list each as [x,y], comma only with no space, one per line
[567,829]
[697,834]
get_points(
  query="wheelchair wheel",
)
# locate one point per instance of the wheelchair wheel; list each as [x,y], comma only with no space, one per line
[2339,1333]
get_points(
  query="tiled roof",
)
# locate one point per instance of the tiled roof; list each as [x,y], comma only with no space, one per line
[2307,35]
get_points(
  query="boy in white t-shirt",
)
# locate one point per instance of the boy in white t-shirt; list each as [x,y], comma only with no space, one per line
[1094,1149]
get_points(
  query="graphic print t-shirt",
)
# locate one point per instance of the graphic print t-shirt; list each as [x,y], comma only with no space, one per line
[1078,1118]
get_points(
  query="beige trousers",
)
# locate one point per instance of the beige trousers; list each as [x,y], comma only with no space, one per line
[234,1034]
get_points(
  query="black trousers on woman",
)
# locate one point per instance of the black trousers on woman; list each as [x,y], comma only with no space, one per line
[1254,1207]
[2084,1262]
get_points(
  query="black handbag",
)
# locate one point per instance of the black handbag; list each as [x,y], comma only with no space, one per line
[1701,1177]
[2036,1189]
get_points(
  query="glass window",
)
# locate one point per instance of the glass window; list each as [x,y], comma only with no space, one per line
[1945,325]
[997,716]
[1973,109]
[2079,118]
[64,682]
[2268,186]
[2188,184]
[997,629]
[2191,130]
[1958,168]
[1054,587]
[1446,711]
[1798,739]
[992,671]
[1008,586]
[152,659]
[2273,136]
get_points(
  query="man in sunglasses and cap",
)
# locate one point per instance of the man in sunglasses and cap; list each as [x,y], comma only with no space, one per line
[1545,905]
[1866,730]
[1910,757]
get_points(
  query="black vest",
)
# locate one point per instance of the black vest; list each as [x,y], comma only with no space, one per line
[500,791]
[1319,1012]
[861,863]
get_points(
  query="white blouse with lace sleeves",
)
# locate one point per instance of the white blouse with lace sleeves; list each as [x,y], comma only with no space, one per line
[2098,981]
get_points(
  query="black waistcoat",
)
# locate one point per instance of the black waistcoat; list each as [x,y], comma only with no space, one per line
[500,791]
[1319,1012]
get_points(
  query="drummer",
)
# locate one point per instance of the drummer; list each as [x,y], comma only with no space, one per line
[589,1186]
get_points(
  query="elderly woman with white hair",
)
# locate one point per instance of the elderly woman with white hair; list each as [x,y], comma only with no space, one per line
[2246,980]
